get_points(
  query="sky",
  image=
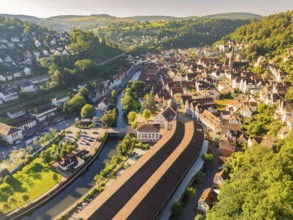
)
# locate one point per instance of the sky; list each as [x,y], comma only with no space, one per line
[124,8]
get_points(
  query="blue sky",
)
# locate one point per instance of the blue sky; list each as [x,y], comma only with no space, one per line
[123,8]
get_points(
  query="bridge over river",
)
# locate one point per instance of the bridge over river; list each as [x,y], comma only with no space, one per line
[117,130]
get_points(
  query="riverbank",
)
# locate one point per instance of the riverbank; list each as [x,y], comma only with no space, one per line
[51,193]
[83,183]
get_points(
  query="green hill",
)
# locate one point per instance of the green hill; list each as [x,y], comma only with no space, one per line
[235,15]
[152,18]
[271,35]
[138,37]
[88,22]
[82,17]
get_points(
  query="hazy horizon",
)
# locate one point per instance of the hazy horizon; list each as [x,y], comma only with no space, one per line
[128,8]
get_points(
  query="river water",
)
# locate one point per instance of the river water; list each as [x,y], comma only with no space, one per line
[84,182]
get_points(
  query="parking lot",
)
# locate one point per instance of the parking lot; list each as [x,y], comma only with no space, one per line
[86,140]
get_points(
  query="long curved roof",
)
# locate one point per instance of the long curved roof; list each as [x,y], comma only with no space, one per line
[143,190]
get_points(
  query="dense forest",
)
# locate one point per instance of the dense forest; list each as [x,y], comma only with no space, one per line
[269,36]
[260,186]
[153,36]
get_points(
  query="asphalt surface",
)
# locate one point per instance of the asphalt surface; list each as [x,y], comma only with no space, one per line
[210,169]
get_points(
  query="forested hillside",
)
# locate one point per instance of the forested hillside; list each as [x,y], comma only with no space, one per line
[86,51]
[261,184]
[138,37]
[269,36]
[88,22]
[27,49]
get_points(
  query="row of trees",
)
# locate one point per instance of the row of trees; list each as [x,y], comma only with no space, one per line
[56,152]
[130,101]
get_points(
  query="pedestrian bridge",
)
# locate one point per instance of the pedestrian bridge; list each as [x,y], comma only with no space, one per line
[118,130]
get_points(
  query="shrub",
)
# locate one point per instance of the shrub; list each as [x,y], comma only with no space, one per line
[25,196]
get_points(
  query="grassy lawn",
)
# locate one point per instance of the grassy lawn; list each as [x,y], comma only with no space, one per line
[34,180]
[221,104]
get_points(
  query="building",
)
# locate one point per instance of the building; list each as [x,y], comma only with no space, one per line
[207,200]
[245,112]
[9,95]
[219,178]
[73,160]
[27,86]
[269,141]
[59,100]
[167,116]
[148,133]
[25,123]
[10,134]
[210,121]
[214,94]
[42,112]
[16,113]
[104,104]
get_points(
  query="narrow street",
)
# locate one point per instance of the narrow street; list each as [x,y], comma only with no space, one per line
[210,169]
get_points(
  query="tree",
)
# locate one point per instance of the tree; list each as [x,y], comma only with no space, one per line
[289,94]
[45,156]
[6,205]
[129,103]
[113,97]
[150,102]
[84,92]
[57,78]
[25,197]
[107,119]
[74,104]
[208,157]
[260,184]
[132,116]
[138,86]
[12,200]
[55,177]
[29,149]
[199,217]
[177,209]
[84,65]
[87,111]
[146,113]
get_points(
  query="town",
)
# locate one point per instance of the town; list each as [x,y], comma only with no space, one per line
[155,135]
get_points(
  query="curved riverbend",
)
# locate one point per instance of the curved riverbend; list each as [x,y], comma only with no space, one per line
[84,183]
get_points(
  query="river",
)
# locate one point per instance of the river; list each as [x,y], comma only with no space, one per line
[84,182]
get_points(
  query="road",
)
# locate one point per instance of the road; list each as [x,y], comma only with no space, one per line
[113,58]
[34,78]
[211,168]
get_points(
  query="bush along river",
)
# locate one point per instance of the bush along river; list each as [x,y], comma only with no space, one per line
[84,183]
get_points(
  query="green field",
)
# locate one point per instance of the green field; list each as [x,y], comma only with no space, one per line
[33,180]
